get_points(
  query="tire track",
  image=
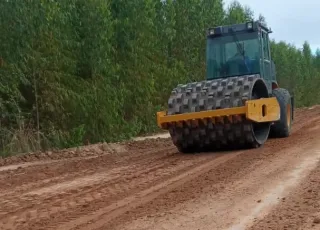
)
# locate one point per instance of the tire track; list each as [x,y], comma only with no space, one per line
[112,189]
[299,210]
[70,171]
[52,191]
[99,217]
[133,179]
[214,181]
[239,202]
[19,201]
[40,170]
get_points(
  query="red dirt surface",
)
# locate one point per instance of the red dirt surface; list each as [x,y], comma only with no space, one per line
[150,185]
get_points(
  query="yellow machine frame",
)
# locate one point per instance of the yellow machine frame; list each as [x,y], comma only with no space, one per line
[260,110]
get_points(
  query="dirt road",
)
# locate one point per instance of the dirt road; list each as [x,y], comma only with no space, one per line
[149,185]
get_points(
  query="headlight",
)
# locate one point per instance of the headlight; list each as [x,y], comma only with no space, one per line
[211,31]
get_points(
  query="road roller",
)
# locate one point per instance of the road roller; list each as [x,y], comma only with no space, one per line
[239,104]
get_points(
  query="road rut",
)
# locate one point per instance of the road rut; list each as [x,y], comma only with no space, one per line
[148,184]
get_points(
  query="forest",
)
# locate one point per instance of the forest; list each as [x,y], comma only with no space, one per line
[85,71]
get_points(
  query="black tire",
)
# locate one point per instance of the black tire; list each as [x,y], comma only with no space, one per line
[282,128]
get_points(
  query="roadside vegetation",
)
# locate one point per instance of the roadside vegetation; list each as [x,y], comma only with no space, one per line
[77,72]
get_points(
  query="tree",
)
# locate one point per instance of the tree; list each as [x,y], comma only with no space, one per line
[78,71]
[262,20]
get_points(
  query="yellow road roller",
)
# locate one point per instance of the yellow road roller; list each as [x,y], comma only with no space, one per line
[239,104]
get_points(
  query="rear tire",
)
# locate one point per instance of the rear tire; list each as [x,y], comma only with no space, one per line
[282,128]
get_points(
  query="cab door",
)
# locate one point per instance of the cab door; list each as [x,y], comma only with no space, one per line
[266,59]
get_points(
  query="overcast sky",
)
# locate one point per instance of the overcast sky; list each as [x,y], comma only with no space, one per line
[291,20]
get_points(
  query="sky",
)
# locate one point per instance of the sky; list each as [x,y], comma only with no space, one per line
[293,21]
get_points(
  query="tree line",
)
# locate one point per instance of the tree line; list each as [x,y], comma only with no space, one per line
[76,72]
